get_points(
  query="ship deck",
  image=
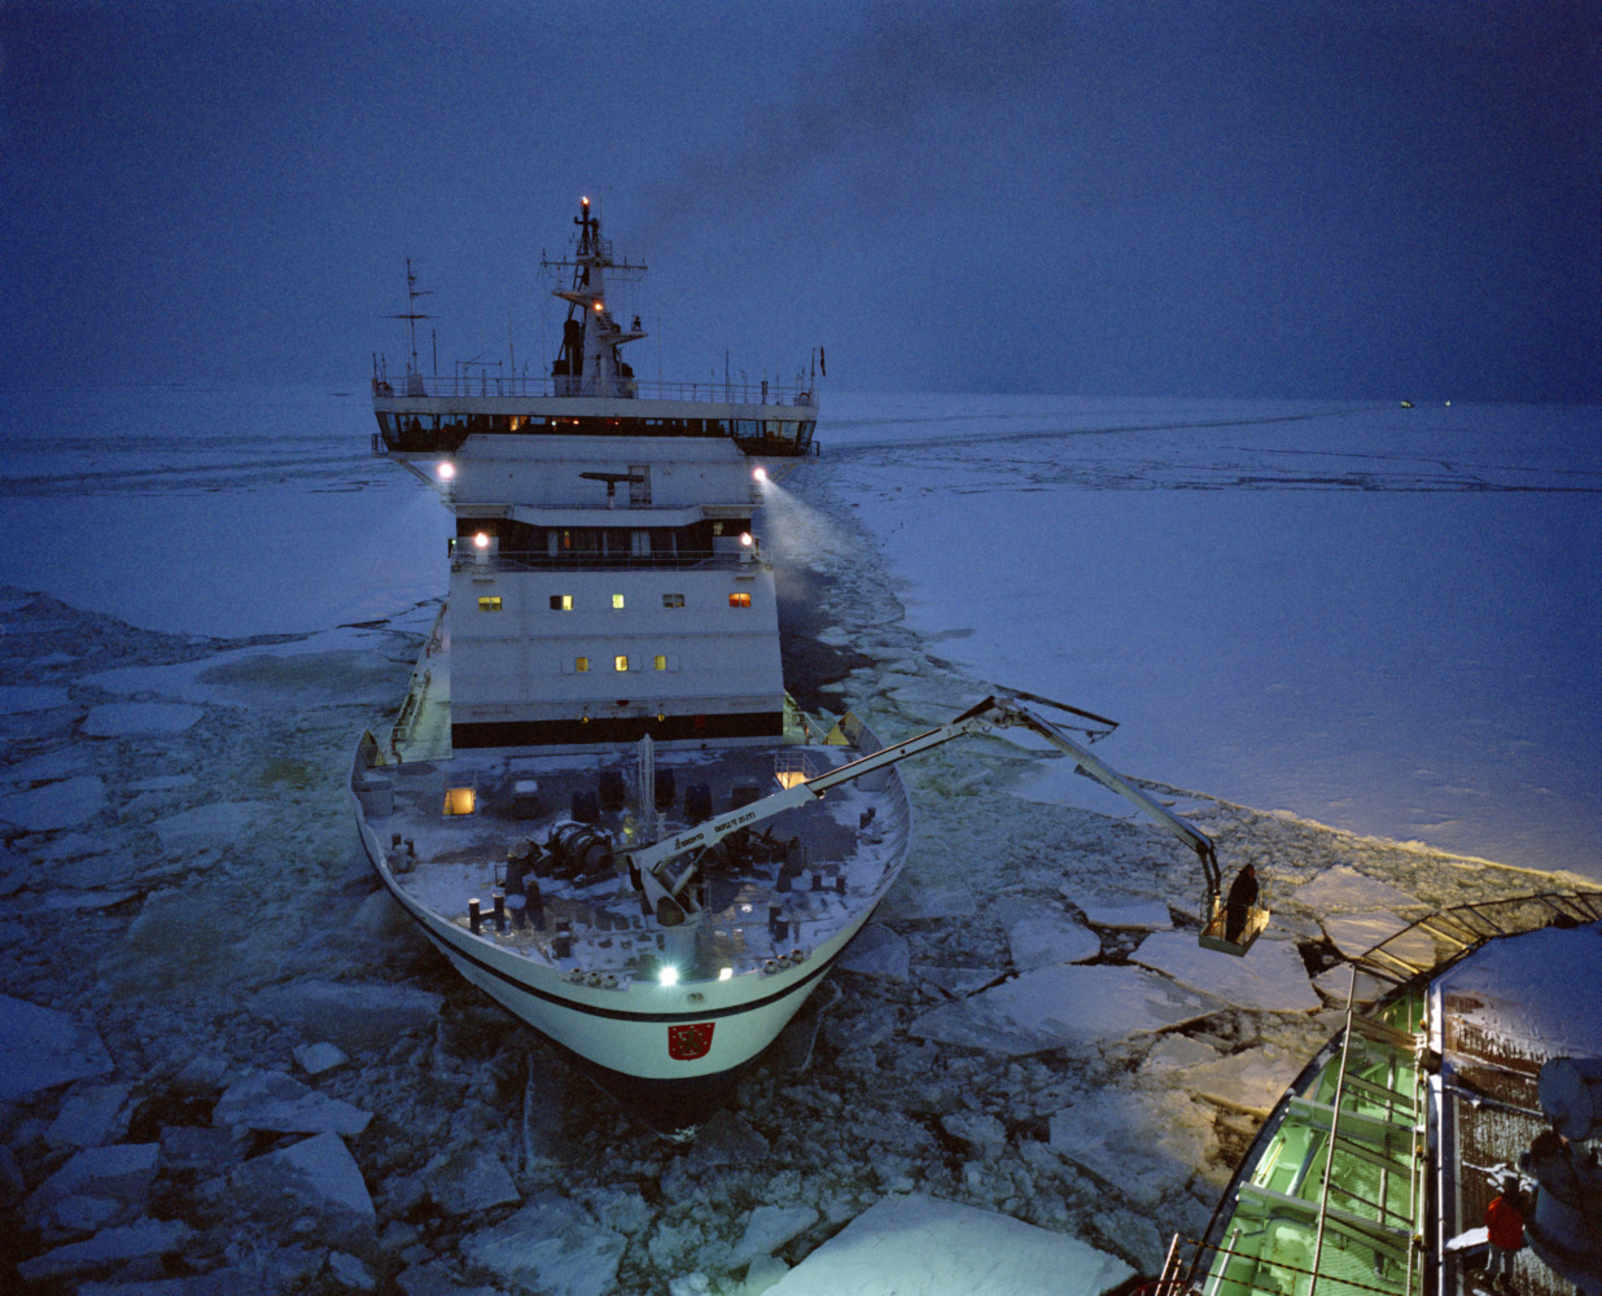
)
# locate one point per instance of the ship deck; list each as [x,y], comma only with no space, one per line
[786,885]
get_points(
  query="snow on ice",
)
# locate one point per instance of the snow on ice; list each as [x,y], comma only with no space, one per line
[1023,1064]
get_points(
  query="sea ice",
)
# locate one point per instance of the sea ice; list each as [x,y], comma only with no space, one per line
[270,1100]
[319,1176]
[1270,977]
[1253,1079]
[1145,1143]
[468,1179]
[877,950]
[191,830]
[92,1114]
[921,1246]
[15,698]
[110,1246]
[1152,915]
[768,1228]
[1067,1004]
[1344,888]
[43,1048]
[139,719]
[1050,938]
[64,804]
[552,1246]
[355,1014]
[1357,933]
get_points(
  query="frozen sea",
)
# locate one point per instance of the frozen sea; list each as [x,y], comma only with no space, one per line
[1384,619]
[1357,644]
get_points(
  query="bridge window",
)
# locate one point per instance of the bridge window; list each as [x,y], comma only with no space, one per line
[489,602]
[740,599]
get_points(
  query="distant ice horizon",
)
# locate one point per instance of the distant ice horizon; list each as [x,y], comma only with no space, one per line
[1386,620]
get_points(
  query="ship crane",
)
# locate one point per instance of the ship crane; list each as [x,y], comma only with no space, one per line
[665,868]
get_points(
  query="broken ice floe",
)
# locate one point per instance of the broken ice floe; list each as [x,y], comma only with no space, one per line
[1344,888]
[139,719]
[65,803]
[1356,933]
[43,1048]
[551,1245]
[1050,938]
[934,1246]
[1152,915]
[1070,1004]
[877,950]
[1144,1143]
[316,1178]
[271,1100]
[137,1241]
[1271,977]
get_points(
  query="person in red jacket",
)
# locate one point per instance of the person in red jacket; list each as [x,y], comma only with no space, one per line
[1504,1226]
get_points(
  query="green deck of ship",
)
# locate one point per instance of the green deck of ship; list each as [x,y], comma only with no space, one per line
[1354,1224]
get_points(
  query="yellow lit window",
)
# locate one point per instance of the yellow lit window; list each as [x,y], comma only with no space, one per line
[659,662]
[489,602]
[740,599]
[617,601]
[620,662]
[561,602]
[581,664]
[459,801]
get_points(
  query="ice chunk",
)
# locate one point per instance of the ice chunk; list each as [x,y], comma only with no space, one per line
[1354,934]
[191,830]
[910,901]
[317,1176]
[122,1171]
[1177,1051]
[1050,938]
[63,804]
[16,698]
[355,1014]
[920,1246]
[469,1179]
[91,1115]
[1152,915]
[1147,1144]
[1253,1080]
[877,951]
[43,1048]
[768,1228]
[1068,1004]
[1271,978]
[314,1059]
[138,719]
[146,1238]
[1344,888]
[553,1246]
[271,1100]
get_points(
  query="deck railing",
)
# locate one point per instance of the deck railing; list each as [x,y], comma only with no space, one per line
[486,383]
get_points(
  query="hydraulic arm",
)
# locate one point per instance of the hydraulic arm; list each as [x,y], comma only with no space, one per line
[664,872]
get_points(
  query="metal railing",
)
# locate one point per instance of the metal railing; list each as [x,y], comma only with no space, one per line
[464,555]
[485,383]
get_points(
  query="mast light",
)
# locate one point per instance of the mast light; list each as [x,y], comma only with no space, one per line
[445,470]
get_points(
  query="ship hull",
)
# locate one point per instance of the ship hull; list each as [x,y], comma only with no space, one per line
[669,1046]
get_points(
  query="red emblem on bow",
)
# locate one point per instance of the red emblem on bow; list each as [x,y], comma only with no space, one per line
[686,1043]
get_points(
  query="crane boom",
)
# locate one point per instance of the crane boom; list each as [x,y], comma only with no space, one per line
[663,885]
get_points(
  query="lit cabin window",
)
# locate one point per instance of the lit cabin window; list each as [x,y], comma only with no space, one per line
[740,599]
[672,600]
[659,662]
[489,602]
[581,664]
[617,602]
[620,663]
[459,801]
[561,602]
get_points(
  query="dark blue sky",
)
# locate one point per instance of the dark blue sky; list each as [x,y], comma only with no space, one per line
[1342,198]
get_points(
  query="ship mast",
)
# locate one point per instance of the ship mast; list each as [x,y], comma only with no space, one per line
[414,372]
